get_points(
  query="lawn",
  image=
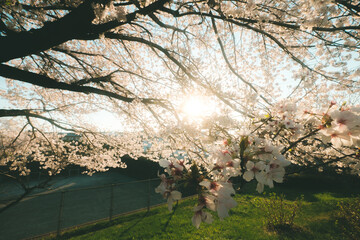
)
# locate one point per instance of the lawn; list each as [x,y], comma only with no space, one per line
[315,220]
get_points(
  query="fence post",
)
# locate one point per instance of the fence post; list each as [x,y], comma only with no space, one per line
[149,192]
[111,202]
[60,213]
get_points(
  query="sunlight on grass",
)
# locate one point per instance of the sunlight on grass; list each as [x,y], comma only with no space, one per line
[247,221]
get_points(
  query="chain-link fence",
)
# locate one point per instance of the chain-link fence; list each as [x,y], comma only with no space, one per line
[44,213]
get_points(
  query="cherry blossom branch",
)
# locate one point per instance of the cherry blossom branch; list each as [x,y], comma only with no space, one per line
[28,113]
[174,60]
[76,24]
[317,166]
[229,64]
[50,35]
[47,82]
[313,132]
[27,191]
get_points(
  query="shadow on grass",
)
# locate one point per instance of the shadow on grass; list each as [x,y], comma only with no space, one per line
[133,225]
[286,231]
[171,216]
[310,186]
[103,225]
[319,229]
[325,228]
[322,225]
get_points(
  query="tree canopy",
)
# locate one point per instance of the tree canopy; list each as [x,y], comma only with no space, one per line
[267,73]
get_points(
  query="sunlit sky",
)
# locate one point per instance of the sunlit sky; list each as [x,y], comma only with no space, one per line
[105,121]
[196,106]
[193,108]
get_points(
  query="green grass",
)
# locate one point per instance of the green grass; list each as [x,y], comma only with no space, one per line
[316,219]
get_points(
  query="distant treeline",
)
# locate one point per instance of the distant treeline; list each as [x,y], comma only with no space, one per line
[141,168]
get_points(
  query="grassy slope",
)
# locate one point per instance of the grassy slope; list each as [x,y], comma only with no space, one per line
[246,221]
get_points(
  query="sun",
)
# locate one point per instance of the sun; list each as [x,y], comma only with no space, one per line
[197,107]
[105,121]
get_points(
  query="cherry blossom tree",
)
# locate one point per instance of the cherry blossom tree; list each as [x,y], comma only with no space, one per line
[278,83]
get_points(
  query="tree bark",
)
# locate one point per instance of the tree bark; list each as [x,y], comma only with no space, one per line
[22,44]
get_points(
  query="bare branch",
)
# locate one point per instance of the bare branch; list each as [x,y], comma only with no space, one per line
[47,82]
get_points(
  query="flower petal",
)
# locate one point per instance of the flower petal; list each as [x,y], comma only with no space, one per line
[196,219]
[248,175]
[205,183]
[176,195]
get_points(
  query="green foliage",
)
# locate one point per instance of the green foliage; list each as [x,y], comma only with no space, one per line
[192,179]
[7,2]
[279,213]
[348,218]
[140,168]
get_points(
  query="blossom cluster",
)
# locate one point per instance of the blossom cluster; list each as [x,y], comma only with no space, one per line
[260,155]
[53,153]
[341,127]
[248,157]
